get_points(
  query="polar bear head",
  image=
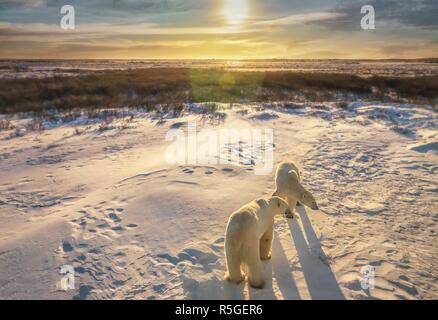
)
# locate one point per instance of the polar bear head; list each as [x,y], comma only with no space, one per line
[301,193]
[278,205]
[308,200]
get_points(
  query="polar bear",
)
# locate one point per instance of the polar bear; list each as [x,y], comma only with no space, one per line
[288,187]
[248,239]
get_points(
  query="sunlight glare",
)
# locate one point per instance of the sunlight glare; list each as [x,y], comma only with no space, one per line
[235,11]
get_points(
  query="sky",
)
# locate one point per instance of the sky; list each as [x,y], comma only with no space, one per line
[218,29]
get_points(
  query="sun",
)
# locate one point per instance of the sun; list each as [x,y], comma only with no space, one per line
[235,11]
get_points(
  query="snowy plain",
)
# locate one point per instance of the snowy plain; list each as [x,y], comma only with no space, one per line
[134,227]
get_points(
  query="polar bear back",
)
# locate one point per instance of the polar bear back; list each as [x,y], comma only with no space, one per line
[284,168]
[247,218]
[282,177]
[287,180]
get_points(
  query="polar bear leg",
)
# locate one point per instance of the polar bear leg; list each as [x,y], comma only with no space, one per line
[234,260]
[254,264]
[266,243]
[292,203]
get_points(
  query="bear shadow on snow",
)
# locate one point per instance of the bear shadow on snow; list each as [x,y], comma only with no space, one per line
[319,277]
[280,269]
[320,280]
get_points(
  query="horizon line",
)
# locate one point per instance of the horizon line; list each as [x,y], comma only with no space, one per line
[219,59]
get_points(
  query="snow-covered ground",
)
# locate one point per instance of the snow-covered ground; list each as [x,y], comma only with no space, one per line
[135,227]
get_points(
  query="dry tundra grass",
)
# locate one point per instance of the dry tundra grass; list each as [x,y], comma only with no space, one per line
[148,87]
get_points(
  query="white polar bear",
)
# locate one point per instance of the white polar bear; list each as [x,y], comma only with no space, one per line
[288,187]
[248,239]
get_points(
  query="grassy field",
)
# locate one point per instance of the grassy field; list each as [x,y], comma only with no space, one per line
[148,87]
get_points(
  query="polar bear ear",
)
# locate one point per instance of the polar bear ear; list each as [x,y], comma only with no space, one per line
[293,174]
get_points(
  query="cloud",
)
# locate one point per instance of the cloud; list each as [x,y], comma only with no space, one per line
[39,29]
[303,18]
[408,50]
[168,5]
[10,4]
[417,13]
